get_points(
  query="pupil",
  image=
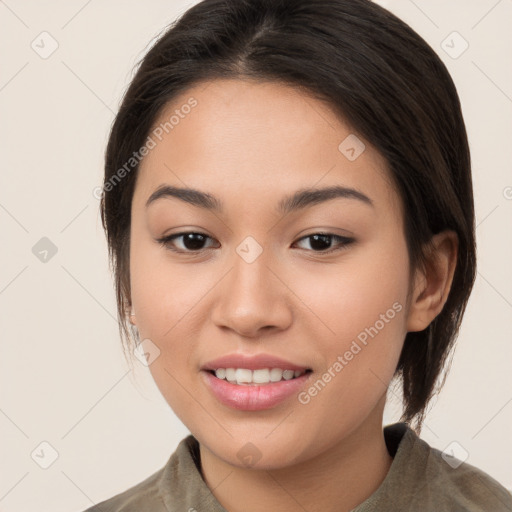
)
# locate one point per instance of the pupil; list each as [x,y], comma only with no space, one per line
[323,239]
[193,241]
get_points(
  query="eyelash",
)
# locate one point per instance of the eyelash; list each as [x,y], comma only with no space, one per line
[167,242]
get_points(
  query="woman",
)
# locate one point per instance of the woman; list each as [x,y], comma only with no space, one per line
[289,211]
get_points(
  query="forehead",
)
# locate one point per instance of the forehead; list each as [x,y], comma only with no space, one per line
[263,137]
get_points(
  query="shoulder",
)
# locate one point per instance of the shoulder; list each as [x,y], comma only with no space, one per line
[142,496]
[424,478]
[160,490]
[446,483]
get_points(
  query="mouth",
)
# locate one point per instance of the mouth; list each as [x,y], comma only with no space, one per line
[236,387]
[258,377]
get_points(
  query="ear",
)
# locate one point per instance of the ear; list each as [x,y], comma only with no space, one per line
[432,285]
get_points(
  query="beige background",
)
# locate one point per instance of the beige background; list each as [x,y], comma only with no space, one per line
[63,377]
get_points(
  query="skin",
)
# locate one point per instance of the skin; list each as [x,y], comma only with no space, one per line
[250,144]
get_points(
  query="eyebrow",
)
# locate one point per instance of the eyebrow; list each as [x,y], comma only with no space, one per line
[299,200]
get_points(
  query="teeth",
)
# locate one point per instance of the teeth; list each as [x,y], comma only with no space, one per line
[243,376]
[260,376]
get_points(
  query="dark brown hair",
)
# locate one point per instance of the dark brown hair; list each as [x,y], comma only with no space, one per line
[374,71]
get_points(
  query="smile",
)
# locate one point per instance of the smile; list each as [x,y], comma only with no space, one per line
[244,376]
[254,396]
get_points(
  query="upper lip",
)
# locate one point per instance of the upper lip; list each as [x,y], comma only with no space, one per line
[254,362]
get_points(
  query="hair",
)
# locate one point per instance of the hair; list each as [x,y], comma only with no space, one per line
[375,72]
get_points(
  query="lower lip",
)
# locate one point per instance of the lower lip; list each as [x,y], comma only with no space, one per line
[251,397]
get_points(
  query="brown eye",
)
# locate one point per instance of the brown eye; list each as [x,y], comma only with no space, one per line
[322,242]
[186,242]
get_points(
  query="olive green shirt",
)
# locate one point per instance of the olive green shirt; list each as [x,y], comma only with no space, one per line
[420,478]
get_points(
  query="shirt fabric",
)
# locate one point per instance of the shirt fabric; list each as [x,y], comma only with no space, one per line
[419,479]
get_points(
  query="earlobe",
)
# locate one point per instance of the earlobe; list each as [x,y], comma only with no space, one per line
[133,320]
[433,283]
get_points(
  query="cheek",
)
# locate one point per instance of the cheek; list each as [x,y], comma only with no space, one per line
[162,294]
[167,299]
[360,314]
[164,300]
[350,296]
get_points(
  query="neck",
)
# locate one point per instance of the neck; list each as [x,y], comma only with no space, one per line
[338,479]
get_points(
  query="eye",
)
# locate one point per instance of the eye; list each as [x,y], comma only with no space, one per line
[192,242]
[322,242]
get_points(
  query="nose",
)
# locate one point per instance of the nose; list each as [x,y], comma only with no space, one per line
[252,299]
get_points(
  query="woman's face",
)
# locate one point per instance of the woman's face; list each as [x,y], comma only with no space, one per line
[258,282]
